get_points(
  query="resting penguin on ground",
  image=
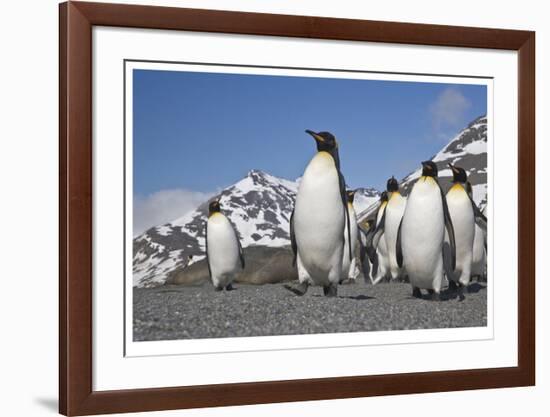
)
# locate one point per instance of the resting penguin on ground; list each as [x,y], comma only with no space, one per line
[422,232]
[319,219]
[376,244]
[347,265]
[463,213]
[224,253]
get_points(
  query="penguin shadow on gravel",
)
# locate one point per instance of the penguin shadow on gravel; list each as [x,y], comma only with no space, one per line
[359,297]
[454,294]
[475,287]
[447,294]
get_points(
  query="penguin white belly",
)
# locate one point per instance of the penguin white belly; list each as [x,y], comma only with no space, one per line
[394,214]
[462,216]
[478,253]
[383,261]
[347,265]
[319,220]
[422,234]
[223,250]
[382,249]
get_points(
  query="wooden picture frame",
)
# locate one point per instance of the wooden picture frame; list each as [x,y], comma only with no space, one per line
[75,200]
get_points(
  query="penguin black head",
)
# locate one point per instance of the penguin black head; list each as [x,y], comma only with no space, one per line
[459,175]
[384,196]
[392,185]
[214,207]
[190,257]
[325,140]
[350,194]
[429,169]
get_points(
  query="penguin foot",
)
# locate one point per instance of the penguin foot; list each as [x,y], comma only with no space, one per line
[435,296]
[416,292]
[452,285]
[330,290]
[229,287]
[461,293]
[299,290]
[218,288]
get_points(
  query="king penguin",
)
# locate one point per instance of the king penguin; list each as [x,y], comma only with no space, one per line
[224,253]
[463,213]
[365,229]
[319,219]
[389,224]
[376,244]
[347,265]
[419,246]
[479,254]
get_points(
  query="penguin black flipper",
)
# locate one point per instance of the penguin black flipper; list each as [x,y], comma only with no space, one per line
[241,253]
[362,254]
[379,231]
[479,217]
[293,243]
[369,248]
[206,248]
[345,204]
[449,226]
[362,248]
[398,247]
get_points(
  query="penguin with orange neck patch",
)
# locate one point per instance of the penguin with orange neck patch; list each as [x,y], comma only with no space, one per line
[463,213]
[224,253]
[377,249]
[389,224]
[319,220]
[421,234]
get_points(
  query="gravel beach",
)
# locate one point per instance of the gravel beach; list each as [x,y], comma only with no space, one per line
[184,312]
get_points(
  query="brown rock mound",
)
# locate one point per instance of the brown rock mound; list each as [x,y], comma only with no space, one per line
[263,265]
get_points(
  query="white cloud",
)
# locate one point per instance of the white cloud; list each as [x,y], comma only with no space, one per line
[164,206]
[449,111]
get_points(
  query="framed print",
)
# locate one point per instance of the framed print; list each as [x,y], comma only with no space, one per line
[328,201]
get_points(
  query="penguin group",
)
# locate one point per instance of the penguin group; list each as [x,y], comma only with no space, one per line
[430,238]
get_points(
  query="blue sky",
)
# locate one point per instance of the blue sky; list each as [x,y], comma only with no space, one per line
[200,132]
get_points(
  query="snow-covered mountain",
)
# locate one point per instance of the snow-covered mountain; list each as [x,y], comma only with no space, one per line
[468,150]
[365,197]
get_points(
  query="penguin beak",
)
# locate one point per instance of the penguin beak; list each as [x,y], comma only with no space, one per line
[453,168]
[315,136]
